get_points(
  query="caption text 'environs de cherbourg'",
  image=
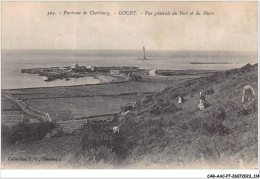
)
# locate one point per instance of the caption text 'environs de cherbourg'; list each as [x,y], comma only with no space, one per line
[130,13]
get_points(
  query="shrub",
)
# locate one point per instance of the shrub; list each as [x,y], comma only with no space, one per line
[5,136]
[100,135]
[93,157]
[209,91]
[25,132]
[156,111]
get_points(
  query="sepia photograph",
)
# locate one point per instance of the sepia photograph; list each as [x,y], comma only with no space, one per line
[129,85]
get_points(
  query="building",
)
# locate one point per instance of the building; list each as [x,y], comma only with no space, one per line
[114,72]
[153,72]
[74,67]
[45,78]
[90,68]
[63,68]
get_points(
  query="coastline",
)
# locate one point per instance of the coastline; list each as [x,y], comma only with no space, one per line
[103,79]
[106,78]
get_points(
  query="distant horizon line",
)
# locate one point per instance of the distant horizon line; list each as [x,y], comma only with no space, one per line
[136,50]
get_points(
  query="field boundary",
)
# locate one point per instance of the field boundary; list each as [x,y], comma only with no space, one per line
[86,96]
[39,115]
[67,126]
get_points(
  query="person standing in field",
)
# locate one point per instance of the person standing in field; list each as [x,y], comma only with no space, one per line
[203,104]
[202,98]
[248,94]
[116,129]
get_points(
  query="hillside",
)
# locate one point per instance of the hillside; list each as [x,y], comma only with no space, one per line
[159,133]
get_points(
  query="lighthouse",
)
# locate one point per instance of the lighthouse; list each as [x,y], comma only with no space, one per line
[144,57]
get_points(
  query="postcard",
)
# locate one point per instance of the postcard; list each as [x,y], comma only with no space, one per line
[129,85]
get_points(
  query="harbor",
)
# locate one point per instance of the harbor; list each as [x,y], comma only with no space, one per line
[76,71]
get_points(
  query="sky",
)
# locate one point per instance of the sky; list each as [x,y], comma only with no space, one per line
[233,27]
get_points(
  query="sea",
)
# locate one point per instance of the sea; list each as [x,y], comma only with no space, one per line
[13,61]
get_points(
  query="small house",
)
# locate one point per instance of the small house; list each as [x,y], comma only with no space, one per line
[45,78]
[153,72]
[90,68]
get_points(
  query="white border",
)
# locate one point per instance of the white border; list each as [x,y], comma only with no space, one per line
[119,173]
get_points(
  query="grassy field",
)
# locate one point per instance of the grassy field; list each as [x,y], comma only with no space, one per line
[71,108]
[63,103]
[11,112]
